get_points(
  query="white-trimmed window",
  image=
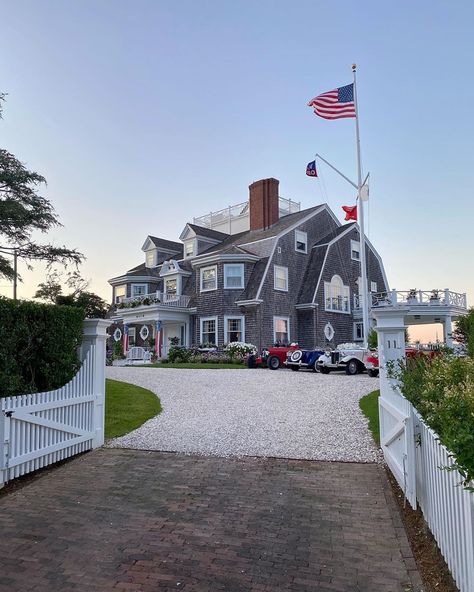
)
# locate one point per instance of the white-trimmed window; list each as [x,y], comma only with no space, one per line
[234,329]
[280,278]
[301,241]
[234,276]
[336,295]
[120,293]
[208,330]
[188,249]
[281,329]
[358,331]
[138,290]
[355,250]
[132,336]
[208,277]
[150,258]
[171,286]
[373,286]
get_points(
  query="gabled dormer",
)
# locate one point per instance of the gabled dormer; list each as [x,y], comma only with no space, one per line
[197,239]
[158,250]
[173,275]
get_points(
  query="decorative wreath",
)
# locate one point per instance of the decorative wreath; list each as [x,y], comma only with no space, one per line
[117,334]
[144,332]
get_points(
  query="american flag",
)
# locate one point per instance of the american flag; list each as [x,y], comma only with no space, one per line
[335,104]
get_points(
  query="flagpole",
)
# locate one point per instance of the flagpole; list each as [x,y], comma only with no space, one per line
[360,203]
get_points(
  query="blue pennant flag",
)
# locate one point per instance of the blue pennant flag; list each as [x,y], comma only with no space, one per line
[311,169]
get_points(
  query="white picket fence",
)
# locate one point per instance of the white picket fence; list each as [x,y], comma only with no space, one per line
[39,429]
[447,507]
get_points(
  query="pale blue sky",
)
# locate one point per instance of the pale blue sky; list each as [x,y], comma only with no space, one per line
[144,114]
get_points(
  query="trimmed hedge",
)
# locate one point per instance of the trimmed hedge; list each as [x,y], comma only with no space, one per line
[442,391]
[38,346]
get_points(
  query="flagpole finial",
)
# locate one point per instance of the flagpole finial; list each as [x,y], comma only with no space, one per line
[354,67]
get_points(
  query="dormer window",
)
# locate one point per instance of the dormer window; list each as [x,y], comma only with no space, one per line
[355,250]
[301,241]
[150,258]
[171,286]
[189,249]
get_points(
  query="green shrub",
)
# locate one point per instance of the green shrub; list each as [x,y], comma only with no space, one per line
[442,391]
[178,354]
[38,346]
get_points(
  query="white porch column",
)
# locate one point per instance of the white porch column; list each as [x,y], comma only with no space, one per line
[125,339]
[448,331]
[94,338]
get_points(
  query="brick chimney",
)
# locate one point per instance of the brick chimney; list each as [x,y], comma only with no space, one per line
[264,207]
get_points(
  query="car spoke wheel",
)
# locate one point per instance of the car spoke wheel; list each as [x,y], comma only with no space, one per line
[352,368]
[273,363]
[373,373]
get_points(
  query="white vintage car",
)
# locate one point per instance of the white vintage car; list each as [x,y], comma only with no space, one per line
[348,356]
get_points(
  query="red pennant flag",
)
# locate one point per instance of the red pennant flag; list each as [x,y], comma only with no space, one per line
[351,212]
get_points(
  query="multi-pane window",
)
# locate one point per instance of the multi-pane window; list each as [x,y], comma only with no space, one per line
[234,275]
[132,336]
[301,241]
[189,249]
[209,331]
[373,286]
[281,329]
[208,278]
[150,258]
[138,290]
[120,293]
[358,331]
[280,278]
[233,329]
[336,295]
[171,286]
[355,250]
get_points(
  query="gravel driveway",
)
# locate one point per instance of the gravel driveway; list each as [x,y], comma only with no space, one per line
[301,415]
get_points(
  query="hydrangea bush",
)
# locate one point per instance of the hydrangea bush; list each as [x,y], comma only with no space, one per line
[239,349]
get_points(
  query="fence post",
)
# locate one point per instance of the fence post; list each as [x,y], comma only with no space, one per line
[94,340]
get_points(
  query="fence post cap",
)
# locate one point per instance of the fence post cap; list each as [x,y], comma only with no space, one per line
[97,327]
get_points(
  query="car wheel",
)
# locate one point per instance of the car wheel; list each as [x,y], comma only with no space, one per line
[314,367]
[295,368]
[352,368]
[296,355]
[373,373]
[273,362]
[324,370]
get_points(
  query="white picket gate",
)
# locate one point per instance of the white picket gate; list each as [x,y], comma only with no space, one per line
[39,429]
[447,507]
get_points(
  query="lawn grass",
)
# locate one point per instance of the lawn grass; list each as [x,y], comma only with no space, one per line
[127,406]
[370,408]
[206,366]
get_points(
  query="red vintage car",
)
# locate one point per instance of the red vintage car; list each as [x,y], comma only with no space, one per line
[275,356]
[372,361]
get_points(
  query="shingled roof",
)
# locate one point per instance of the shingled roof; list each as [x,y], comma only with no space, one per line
[163,243]
[334,234]
[208,232]
[254,235]
[251,289]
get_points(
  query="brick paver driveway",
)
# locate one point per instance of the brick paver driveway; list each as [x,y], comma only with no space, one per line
[153,521]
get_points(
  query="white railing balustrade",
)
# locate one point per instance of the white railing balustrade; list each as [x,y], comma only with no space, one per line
[172,300]
[420,297]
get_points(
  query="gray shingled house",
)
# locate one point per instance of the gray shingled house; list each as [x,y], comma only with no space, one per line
[260,272]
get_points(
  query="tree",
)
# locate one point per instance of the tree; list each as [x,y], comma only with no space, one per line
[22,212]
[51,290]
[464,332]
